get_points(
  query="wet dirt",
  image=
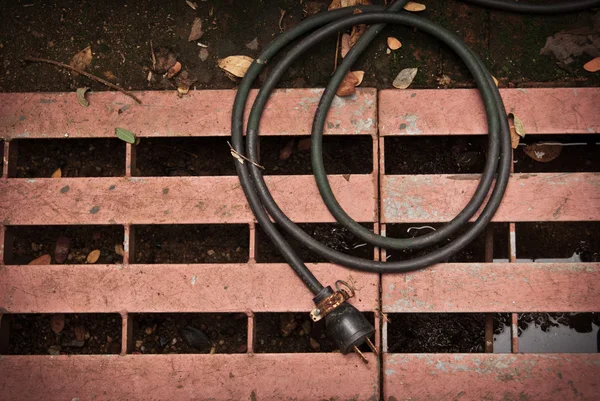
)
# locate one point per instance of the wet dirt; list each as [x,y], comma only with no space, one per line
[32,334]
[165,333]
[31,242]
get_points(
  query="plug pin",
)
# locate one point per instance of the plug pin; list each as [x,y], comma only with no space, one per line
[360,354]
[372,346]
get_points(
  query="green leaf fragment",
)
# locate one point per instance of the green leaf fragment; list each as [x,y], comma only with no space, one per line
[125,135]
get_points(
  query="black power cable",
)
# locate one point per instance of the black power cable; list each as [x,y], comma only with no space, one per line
[347,328]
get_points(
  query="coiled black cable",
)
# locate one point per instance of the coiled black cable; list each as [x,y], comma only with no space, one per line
[493,179]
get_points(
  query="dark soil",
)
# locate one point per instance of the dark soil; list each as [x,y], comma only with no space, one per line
[580,153]
[31,242]
[157,157]
[164,333]
[294,333]
[558,240]
[120,35]
[207,243]
[333,235]
[341,155]
[75,157]
[439,332]
[435,155]
[472,253]
[32,334]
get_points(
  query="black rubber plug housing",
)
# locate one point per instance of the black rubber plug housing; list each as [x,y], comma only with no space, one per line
[345,324]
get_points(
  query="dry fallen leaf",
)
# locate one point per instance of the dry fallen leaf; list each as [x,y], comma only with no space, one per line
[42,260]
[109,75]
[119,250]
[543,152]
[287,150]
[335,4]
[93,256]
[81,96]
[57,322]
[57,173]
[79,333]
[174,70]
[519,126]
[414,7]
[304,144]
[345,44]
[592,65]
[517,130]
[357,32]
[203,54]
[82,59]
[393,43]
[359,76]
[348,85]
[405,78]
[61,249]
[192,5]
[196,31]
[495,80]
[444,80]
[514,137]
[236,65]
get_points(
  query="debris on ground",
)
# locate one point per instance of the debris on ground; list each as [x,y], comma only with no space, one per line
[414,7]
[359,76]
[405,78]
[287,323]
[345,44]
[236,65]
[196,31]
[57,173]
[517,130]
[393,43]
[125,135]
[193,5]
[566,45]
[203,55]
[119,250]
[82,59]
[61,249]
[174,70]
[184,82]
[444,80]
[93,256]
[592,65]
[57,322]
[81,96]
[196,338]
[253,44]
[348,85]
[287,150]
[80,333]
[42,260]
[543,152]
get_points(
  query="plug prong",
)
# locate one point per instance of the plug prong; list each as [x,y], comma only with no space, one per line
[360,354]
[372,346]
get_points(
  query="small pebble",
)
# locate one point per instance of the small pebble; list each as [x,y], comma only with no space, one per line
[174,341]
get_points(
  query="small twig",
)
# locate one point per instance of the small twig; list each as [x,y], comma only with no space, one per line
[281,19]
[153,56]
[240,157]
[86,74]
[337,51]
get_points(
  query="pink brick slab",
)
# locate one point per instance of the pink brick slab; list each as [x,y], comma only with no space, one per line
[163,114]
[529,197]
[189,377]
[172,200]
[499,377]
[498,287]
[171,288]
[461,111]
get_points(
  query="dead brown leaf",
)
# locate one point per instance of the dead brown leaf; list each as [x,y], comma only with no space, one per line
[335,4]
[345,44]
[356,33]
[57,322]
[414,7]
[405,78]
[82,59]
[543,152]
[62,248]
[393,43]
[93,256]
[359,76]
[174,70]
[287,150]
[304,144]
[119,250]
[236,65]
[79,333]
[196,31]
[165,59]
[348,85]
[592,65]
[57,173]
[42,260]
